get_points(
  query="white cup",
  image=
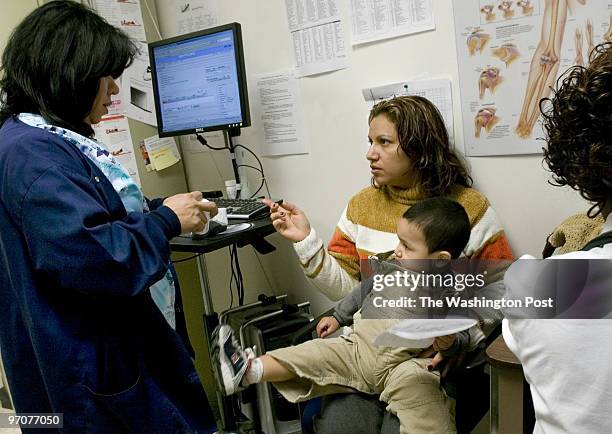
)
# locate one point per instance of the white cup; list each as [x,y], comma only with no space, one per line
[231,188]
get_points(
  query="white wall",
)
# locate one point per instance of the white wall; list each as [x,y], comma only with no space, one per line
[336,119]
[12,14]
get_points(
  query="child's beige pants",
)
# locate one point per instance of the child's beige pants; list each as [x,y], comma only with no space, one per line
[351,363]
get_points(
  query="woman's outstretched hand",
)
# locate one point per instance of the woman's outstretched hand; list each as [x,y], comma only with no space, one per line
[288,220]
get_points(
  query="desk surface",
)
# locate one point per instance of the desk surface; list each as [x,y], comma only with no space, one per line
[261,228]
[499,355]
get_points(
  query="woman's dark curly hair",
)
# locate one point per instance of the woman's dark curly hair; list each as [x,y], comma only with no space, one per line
[423,138]
[578,126]
[54,60]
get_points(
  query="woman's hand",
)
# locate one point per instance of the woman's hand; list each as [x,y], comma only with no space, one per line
[327,326]
[288,220]
[445,365]
[190,210]
[442,343]
[438,361]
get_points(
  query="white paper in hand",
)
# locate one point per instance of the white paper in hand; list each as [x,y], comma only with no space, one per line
[420,333]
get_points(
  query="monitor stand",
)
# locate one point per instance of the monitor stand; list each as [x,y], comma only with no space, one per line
[231,133]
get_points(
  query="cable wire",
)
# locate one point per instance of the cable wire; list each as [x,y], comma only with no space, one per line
[204,142]
[232,277]
[240,279]
[186,259]
[261,170]
[262,179]
[251,167]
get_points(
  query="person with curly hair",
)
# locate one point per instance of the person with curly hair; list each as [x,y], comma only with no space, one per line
[567,362]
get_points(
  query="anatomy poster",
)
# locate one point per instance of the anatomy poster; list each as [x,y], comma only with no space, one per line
[510,54]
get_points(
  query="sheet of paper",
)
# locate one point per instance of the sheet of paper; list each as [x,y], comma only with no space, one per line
[306,13]
[137,89]
[374,20]
[279,111]
[317,33]
[503,49]
[114,133]
[124,14]
[438,91]
[194,15]
[420,333]
[162,152]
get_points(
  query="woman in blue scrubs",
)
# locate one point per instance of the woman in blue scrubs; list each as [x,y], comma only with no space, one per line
[81,249]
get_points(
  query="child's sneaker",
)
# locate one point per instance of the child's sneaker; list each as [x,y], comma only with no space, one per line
[231,361]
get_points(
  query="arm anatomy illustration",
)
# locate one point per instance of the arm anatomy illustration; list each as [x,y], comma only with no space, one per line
[608,34]
[544,64]
[579,60]
[589,27]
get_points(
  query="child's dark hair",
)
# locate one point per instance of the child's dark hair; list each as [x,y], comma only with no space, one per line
[444,223]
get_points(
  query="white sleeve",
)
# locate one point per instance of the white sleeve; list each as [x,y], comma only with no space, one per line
[322,269]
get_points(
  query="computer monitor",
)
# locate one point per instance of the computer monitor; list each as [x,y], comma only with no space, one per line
[199,82]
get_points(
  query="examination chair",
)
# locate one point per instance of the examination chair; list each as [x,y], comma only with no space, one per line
[468,384]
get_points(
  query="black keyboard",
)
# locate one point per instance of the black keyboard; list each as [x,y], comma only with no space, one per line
[242,208]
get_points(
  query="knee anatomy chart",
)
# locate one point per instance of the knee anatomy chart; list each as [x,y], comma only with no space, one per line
[510,55]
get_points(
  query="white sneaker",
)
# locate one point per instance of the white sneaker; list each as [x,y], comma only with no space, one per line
[230,360]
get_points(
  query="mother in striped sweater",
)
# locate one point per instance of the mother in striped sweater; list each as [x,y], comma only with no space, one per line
[410,159]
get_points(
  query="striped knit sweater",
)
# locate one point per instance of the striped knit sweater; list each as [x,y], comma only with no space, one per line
[368,226]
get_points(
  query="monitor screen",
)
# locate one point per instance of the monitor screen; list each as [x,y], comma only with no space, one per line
[199,82]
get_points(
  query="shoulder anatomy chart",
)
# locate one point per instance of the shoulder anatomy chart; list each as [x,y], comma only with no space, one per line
[510,54]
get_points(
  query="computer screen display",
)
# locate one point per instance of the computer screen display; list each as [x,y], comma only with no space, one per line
[199,82]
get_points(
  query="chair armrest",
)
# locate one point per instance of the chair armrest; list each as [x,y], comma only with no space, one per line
[309,328]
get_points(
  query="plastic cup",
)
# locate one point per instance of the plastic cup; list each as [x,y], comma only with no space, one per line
[231,188]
